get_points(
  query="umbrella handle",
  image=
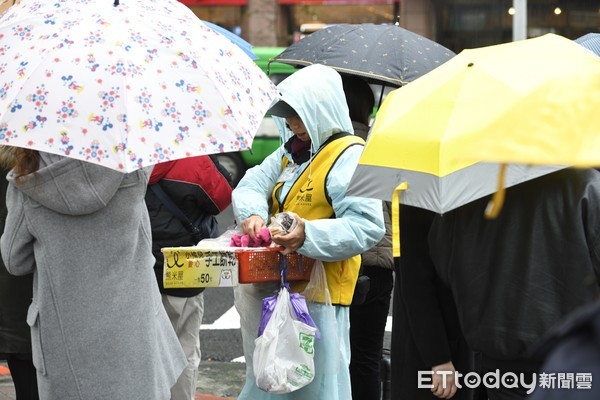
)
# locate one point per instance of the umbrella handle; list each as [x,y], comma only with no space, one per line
[381,96]
[495,204]
[396,219]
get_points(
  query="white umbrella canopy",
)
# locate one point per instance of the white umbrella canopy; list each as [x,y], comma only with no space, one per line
[441,194]
[125,86]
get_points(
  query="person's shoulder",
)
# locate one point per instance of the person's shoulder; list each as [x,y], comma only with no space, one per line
[583,178]
[582,321]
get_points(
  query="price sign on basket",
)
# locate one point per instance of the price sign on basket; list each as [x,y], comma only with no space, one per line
[192,267]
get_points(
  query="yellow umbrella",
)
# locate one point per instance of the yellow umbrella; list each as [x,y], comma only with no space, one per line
[421,132]
[555,122]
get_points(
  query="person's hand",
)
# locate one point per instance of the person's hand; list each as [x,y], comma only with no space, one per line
[252,225]
[444,385]
[290,242]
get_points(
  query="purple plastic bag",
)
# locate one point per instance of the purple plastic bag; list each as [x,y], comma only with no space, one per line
[301,310]
[298,305]
[268,305]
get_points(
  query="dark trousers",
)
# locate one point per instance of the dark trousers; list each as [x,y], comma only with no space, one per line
[24,376]
[406,359]
[367,329]
[525,366]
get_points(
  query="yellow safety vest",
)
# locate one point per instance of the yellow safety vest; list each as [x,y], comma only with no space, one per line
[308,198]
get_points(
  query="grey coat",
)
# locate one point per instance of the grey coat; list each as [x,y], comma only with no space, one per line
[99,330]
[380,255]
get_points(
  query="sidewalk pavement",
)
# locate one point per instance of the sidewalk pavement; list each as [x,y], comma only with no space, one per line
[216,381]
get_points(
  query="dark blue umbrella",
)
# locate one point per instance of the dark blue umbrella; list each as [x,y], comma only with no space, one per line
[235,39]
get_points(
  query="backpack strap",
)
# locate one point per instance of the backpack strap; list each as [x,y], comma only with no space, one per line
[176,211]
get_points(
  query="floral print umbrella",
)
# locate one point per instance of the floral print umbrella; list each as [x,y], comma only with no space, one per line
[124,85]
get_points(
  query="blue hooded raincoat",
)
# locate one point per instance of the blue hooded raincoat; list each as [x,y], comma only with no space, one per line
[316,94]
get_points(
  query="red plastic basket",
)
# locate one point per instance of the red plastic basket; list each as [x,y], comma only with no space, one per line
[263,265]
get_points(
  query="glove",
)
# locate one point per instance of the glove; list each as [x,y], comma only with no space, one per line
[263,239]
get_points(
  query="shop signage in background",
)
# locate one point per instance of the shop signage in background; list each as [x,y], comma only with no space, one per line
[191,267]
[244,2]
[337,2]
[191,3]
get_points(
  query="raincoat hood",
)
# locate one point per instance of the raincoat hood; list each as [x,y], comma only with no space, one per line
[83,187]
[316,93]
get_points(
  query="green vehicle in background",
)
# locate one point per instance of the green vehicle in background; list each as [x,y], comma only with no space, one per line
[267,136]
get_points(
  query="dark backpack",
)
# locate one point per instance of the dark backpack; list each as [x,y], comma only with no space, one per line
[205,226]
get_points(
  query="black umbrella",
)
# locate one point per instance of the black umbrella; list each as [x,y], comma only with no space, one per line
[385,54]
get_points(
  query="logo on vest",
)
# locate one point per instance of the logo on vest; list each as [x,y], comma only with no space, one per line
[305,196]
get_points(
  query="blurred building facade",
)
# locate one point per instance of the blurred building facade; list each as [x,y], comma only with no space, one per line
[457,24]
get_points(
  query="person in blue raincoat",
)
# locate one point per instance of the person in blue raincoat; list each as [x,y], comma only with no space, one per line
[308,176]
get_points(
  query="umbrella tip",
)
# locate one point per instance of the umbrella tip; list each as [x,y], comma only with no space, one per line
[116,3]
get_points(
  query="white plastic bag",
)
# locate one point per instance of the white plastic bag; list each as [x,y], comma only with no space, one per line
[223,240]
[283,357]
[318,300]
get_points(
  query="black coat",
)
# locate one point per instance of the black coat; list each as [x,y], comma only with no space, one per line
[515,277]
[426,330]
[15,298]
[572,349]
